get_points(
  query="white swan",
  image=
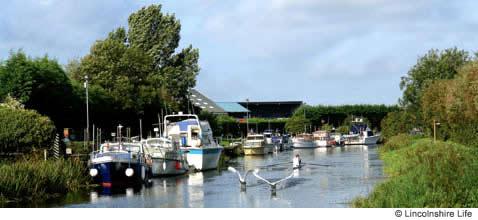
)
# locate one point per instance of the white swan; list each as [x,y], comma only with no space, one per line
[271,184]
[242,180]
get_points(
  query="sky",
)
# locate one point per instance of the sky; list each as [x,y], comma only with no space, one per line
[321,52]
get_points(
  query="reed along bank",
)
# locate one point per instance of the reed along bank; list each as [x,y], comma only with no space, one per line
[425,173]
[36,180]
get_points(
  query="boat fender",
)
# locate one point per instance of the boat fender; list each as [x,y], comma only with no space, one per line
[143,173]
[93,172]
[129,172]
[178,165]
[164,165]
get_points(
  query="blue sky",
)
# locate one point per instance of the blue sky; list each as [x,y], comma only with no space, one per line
[321,52]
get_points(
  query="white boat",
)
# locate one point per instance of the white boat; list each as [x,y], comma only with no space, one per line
[322,139]
[303,140]
[196,138]
[256,145]
[167,157]
[338,138]
[268,138]
[366,137]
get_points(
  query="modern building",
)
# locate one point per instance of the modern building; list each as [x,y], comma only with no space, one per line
[272,110]
[239,110]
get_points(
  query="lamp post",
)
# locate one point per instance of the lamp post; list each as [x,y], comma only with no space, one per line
[435,130]
[87,114]
[247,120]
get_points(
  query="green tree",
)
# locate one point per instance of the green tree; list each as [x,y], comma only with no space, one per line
[432,66]
[297,124]
[158,35]
[122,71]
[40,84]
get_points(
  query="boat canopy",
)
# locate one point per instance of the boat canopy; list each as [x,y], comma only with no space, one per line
[358,128]
[183,125]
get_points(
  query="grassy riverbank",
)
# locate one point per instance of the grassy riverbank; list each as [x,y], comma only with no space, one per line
[34,180]
[424,173]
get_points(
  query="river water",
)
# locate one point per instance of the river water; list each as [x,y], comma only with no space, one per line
[330,178]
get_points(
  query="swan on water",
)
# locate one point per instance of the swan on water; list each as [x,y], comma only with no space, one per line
[242,180]
[271,184]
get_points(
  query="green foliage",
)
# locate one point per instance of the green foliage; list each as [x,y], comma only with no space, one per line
[158,35]
[297,124]
[432,66]
[454,103]
[36,180]
[343,129]
[39,84]
[326,127]
[396,123]
[24,130]
[424,173]
[336,115]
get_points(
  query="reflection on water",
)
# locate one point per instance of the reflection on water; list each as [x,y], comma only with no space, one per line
[331,177]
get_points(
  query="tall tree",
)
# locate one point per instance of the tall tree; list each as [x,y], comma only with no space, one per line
[158,35]
[432,66]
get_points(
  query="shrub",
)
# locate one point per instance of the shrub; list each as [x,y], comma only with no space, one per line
[24,130]
[395,123]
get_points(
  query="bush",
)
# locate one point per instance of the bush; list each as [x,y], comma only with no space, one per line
[24,130]
[396,123]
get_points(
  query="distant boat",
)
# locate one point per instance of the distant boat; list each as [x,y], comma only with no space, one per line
[364,136]
[256,145]
[120,163]
[196,137]
[167,157]
[268,134]
[322,139]
[303,140]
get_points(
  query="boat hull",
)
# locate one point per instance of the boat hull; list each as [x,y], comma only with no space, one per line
[363,141]
[203,158]
[322,143]
[255,151]
[114,173]
[303,145]
[167,167]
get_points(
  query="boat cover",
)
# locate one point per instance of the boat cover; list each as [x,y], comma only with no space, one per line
[358,128]
[183,125]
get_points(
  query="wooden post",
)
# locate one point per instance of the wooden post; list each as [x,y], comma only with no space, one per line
[44,153]
[434,131]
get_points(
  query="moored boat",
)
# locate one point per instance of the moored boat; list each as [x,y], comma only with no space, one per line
[195,137]
[256,145]
[322,139]
[303,140]
[120,163]
[167,157]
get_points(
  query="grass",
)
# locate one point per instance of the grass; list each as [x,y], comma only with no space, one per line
[34,180]
[424,173]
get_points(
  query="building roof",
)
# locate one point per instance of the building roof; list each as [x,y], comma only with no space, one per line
[203,102]
[232,107]
[273,103]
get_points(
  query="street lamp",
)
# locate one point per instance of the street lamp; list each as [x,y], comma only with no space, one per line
[435,130]
[247,120]
[87,114]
